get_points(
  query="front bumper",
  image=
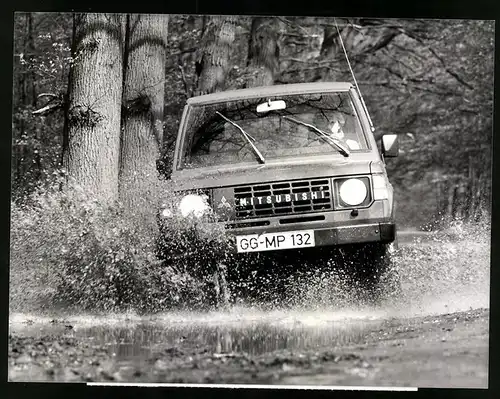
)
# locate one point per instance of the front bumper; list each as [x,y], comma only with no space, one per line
[354,234]
[381,232]
[371,224]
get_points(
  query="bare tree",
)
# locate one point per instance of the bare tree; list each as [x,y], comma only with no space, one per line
[263,52]
[144,90]
[93,112]
[213,57]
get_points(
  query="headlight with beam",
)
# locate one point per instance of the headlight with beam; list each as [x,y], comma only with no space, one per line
[194,204]
[353,192]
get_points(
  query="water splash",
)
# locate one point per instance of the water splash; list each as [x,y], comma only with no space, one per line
[445,271]
[442,272]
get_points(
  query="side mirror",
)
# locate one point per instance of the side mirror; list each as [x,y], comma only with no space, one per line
[390,145]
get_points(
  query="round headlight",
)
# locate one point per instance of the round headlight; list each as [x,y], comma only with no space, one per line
[193,203]
[353,192]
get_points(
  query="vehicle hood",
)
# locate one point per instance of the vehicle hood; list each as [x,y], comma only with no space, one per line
[250,174]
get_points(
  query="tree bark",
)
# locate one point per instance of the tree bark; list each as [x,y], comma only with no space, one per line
[144,90]
[263,52]
[65,131]
[213,58]
[91,155]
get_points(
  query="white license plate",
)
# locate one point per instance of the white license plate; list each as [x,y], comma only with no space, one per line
[274,241]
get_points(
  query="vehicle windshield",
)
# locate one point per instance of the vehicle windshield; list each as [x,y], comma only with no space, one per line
[211,139]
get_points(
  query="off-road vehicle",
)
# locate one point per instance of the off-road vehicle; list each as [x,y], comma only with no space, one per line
[286,167]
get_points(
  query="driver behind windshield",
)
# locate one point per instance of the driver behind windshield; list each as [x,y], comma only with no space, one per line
[337,130]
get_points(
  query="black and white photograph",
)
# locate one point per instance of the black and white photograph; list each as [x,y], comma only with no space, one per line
[251,200]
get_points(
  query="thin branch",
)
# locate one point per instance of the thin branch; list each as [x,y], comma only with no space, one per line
[393,72]
[344,25]
[412,35]
[290,23]
[384,26]
[51,95]
[440,59]
[439,93]
[189,50]
[459,79]
[469,110]
[416,80]
[452,73]
[162,81]
[375,83]
[295,60]
[48,109]
[184,81]
[406,50]
[398,60]
[298,70]
[299,35]
[315,62]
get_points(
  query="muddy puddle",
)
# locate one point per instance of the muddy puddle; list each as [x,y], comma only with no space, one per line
[246,346]
[240,331]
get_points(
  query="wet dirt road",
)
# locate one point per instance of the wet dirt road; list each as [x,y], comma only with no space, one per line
[426,338]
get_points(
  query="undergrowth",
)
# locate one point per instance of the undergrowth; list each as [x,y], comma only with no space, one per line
[68,251]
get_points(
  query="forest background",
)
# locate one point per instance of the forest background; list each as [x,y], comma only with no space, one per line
[430,81]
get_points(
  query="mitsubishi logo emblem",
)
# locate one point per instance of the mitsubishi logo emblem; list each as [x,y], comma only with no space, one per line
[223,203]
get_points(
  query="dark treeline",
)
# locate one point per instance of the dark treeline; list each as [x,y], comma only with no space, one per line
[431,81]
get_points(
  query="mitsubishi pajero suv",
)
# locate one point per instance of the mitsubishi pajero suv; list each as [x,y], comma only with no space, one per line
[286,167]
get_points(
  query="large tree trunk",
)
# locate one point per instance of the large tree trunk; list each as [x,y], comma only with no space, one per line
[213,58]
[93,113]
[263,52]
[144,91]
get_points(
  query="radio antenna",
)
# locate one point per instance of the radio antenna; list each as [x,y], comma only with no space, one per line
[354,77]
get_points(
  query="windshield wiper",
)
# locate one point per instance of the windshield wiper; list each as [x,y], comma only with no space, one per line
[246,136]
[336,143]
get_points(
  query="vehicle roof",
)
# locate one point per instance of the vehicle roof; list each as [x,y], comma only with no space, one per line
[276,90]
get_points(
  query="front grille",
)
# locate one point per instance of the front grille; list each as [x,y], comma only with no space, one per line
[283,198]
